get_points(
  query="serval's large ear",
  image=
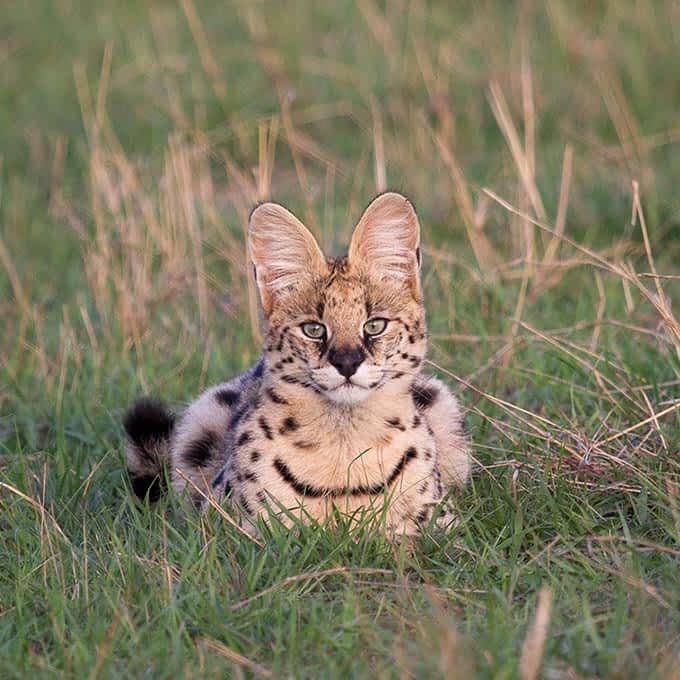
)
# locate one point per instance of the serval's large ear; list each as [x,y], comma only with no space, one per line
[284,252]
[387,241]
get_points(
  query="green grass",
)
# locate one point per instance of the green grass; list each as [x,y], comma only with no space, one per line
[135,137]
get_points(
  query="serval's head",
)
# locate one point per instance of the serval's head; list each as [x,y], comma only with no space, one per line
[346,326]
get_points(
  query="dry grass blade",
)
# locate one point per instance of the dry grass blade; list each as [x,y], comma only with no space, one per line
[532,649]
[378,148]
[235,657]
[486,255]
[13,276]
[563,202]
[104,647]
[39,507]
[524,165]
[652,419]
[625,272]
[207,59]
[309,576]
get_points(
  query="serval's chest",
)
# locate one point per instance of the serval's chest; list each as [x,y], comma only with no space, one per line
[308,461]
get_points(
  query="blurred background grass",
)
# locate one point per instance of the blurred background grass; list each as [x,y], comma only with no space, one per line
[135,138]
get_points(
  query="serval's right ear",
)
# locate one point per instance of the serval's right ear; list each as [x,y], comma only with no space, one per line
[284,252]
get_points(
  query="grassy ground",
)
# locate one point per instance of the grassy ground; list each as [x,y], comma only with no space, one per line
[134,138]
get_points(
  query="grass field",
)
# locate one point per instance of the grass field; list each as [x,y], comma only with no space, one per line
[540,144]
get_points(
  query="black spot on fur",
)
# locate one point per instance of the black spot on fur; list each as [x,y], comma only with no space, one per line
[245,438]
[255,456]
[260,496]
[416,421]
[423,516]
[264,426]
[238,416]
[219,478]
[396,423]
[276,398]
[304,445]
[226,397]
[411,453]
[147,486]
[259,369]
[199,452]
[298,486]
[414,360]
[250,476]
[148,423]
[289,425]
[291,380]
[397,375]
[438,480]
[423,487]
[424,396]
[411,339]
[244,504]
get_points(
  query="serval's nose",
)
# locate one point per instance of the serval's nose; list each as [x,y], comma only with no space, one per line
[346,359]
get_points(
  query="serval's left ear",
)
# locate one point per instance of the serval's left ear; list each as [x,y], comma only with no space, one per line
[387,241]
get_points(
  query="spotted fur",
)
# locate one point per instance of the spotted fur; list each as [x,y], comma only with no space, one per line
[340,421]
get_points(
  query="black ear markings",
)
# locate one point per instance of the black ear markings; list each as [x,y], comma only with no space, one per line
[419,259]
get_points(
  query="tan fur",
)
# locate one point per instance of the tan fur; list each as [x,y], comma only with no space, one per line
[300,437]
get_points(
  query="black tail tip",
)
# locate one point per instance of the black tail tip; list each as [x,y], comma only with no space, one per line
[148,421]
[147,486]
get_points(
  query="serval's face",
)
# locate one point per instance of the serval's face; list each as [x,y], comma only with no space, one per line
[342,327]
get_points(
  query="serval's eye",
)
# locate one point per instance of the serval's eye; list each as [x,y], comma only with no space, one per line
[314,330]
[375,326]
